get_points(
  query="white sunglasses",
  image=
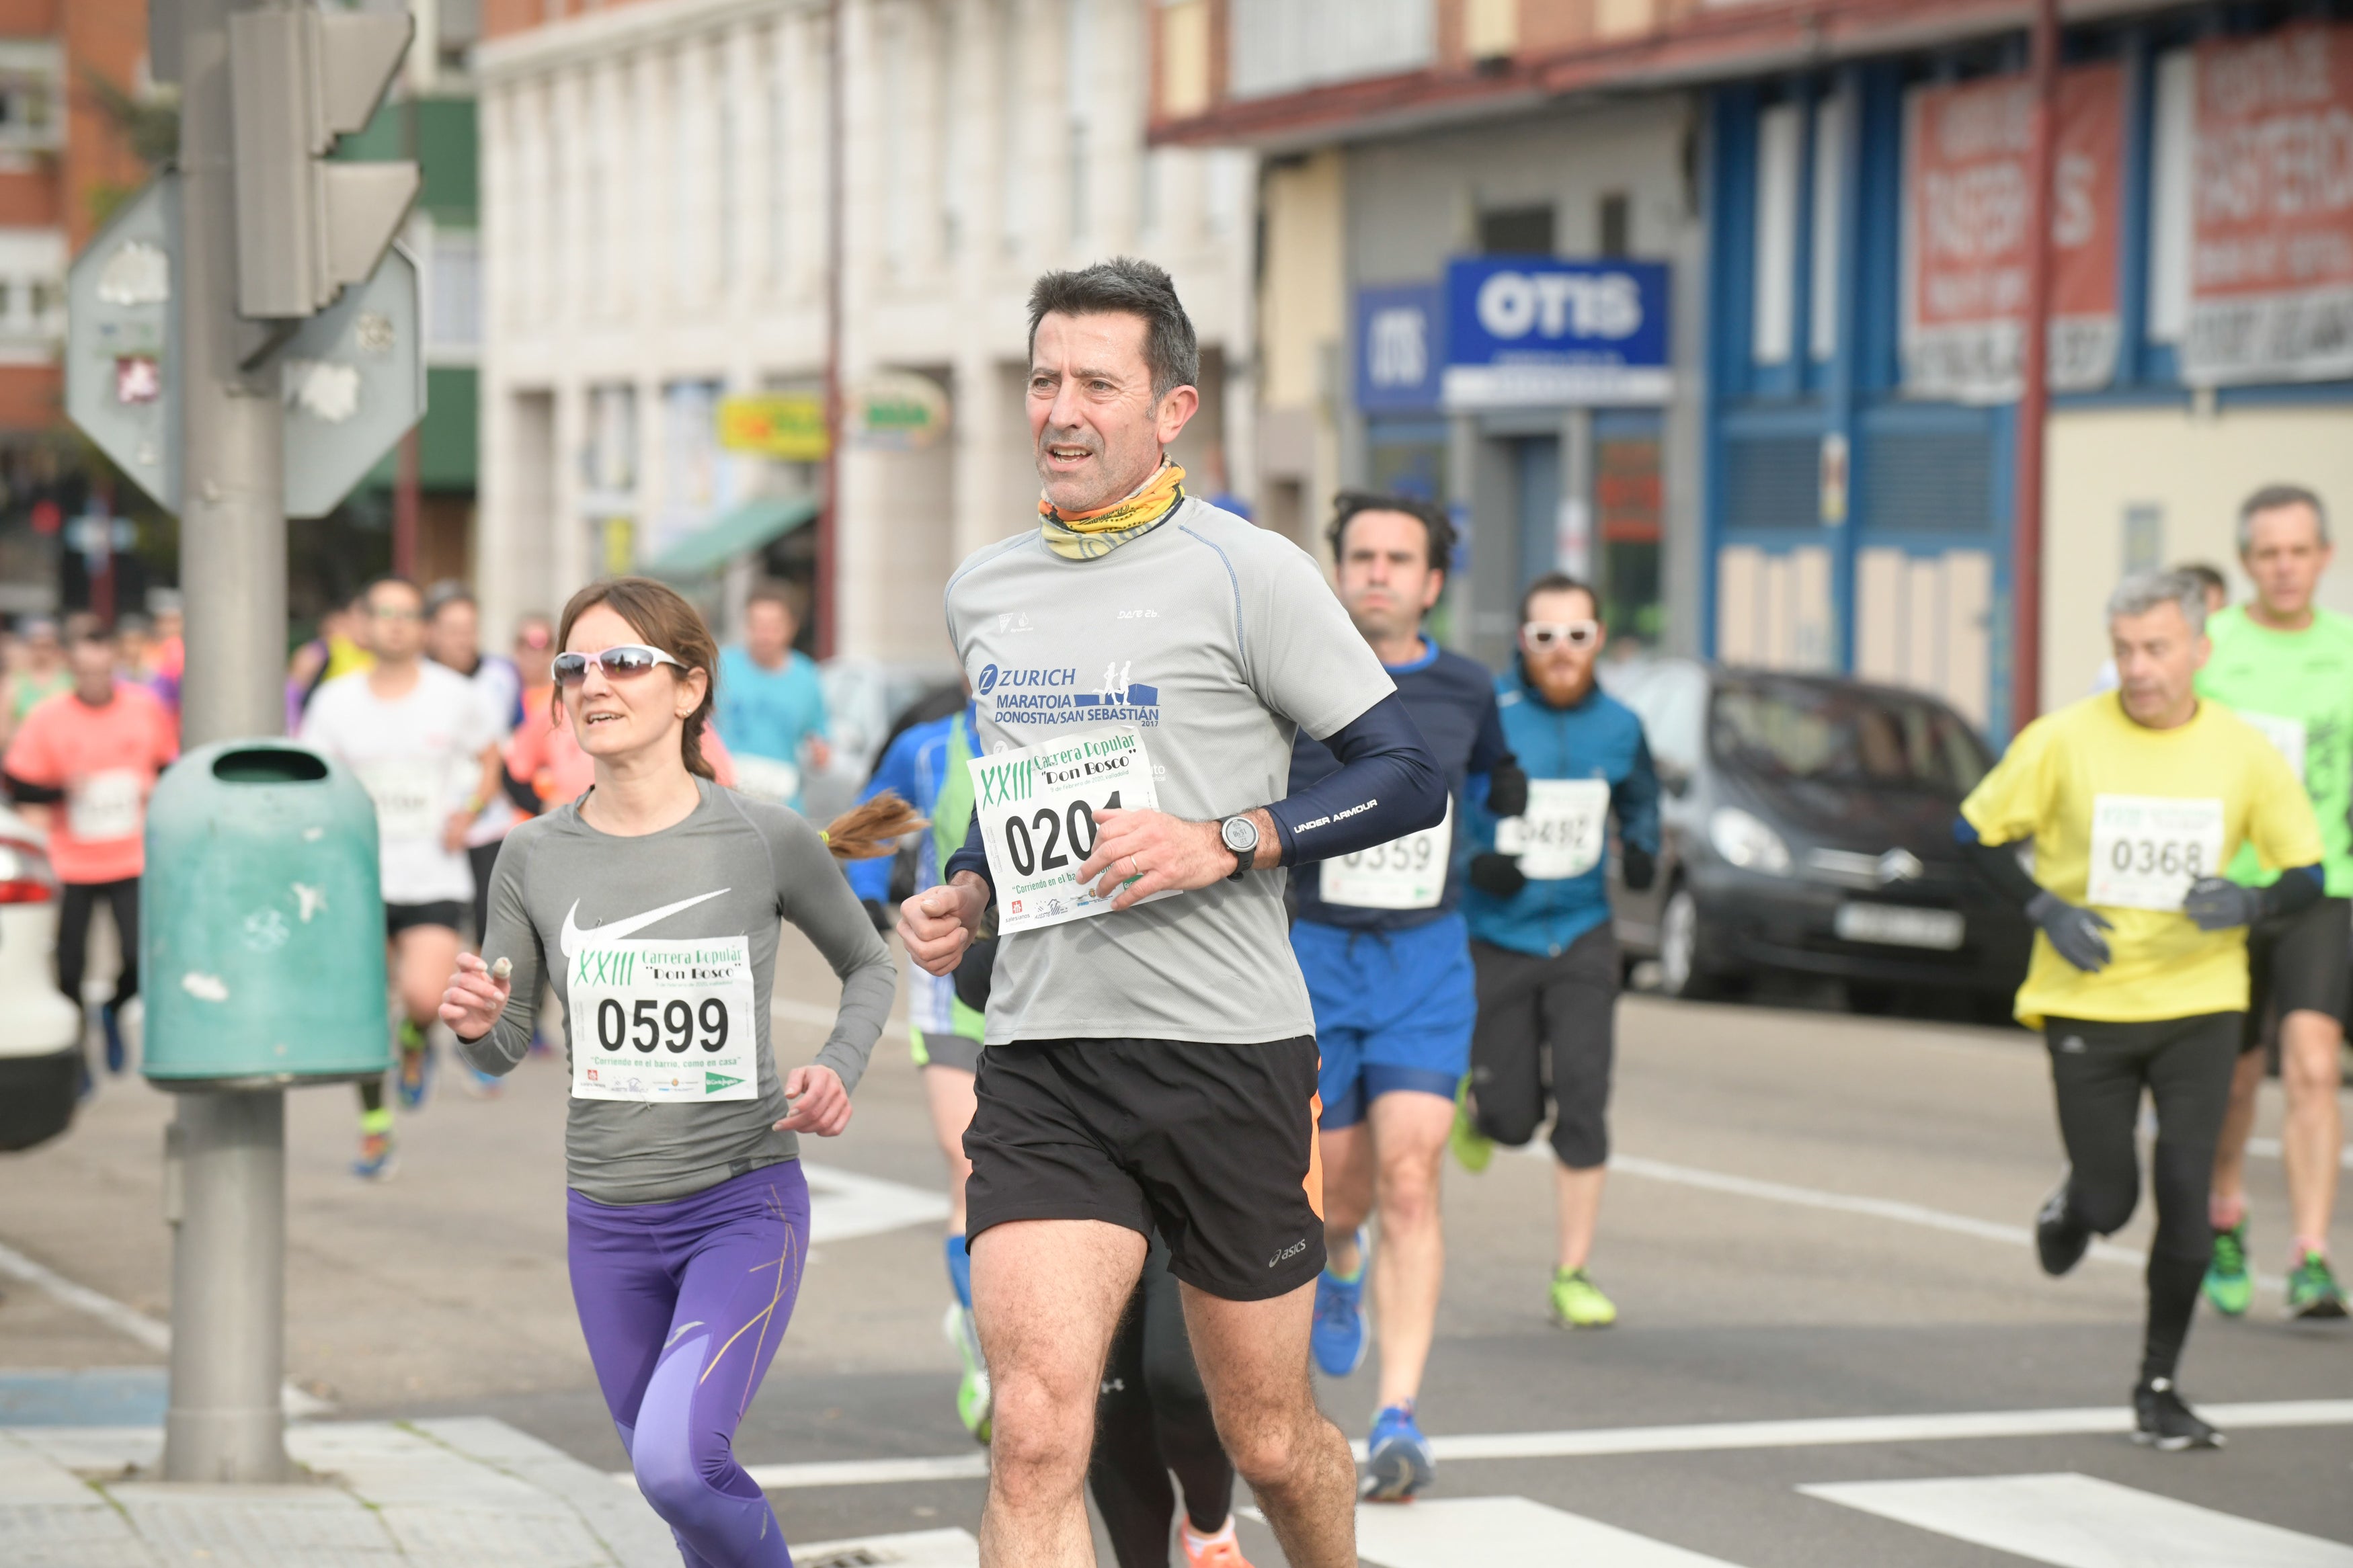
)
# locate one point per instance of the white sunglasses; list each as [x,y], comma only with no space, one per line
[1575,634]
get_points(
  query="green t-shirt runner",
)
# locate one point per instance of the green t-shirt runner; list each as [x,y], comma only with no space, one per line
[2297,689]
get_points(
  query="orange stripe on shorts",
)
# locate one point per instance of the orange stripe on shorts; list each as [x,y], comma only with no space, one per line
[1314,1181]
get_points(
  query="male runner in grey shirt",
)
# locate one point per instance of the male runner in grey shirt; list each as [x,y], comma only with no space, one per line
[1153,1063]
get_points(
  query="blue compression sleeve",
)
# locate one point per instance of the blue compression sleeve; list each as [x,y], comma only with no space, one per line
[1389,785]
[972,858]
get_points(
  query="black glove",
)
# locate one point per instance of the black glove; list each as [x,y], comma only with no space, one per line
[974,971]
[1497,876]
[880,913]
[1640,869]
[2074,930]
[1507,788]
[2215,903]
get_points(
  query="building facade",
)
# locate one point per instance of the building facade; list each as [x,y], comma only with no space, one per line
[655,239]
[1839,191]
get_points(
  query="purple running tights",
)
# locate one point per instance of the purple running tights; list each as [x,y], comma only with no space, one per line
[683,1304]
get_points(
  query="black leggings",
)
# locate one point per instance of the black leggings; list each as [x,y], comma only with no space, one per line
[77,904]
[1153,1418]
[2099,1071]
[1547,1031]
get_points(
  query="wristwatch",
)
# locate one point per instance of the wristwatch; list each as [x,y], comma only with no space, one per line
[1240,835]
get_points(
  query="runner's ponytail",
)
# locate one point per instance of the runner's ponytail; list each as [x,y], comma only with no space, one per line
[866,830]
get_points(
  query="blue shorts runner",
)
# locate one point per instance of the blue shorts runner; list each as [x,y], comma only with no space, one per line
[683,1305]
[1394,1010]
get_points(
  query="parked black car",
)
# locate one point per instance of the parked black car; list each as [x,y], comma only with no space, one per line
[1808,826]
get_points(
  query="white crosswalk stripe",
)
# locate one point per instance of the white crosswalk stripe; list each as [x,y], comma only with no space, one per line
[920,1548]
[1505,1532]
[2079,1522]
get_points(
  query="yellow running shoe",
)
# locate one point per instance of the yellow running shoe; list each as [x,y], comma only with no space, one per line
[1472,1147]
[1579,1303]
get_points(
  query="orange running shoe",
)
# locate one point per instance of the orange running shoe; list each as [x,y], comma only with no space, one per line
[1219,1551]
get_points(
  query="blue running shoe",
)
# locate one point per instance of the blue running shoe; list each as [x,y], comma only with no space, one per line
[1398,1458]
[1338,1337]
[110,1020]
[414,1079]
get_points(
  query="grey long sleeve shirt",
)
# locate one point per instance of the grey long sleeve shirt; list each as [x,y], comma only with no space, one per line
[564,892]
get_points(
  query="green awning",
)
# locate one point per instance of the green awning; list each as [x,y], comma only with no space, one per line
[748,527]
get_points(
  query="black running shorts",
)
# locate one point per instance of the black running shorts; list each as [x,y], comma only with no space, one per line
[1547,1036]
[398,918]
[2298,963]
[1214,1144]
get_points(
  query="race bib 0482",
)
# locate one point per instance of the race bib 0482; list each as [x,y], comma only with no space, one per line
[2148,849]
[1407,873]
[1563,831]
[1037,811]
[663,1021]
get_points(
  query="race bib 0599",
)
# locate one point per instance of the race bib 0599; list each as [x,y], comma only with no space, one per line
[2148,849]
[667,1022]
[1037,811]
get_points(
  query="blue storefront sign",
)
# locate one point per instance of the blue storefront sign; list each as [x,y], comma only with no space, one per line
[1400,347]
[1528,331]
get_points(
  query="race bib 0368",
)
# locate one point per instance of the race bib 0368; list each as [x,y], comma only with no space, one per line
[2148,849]
[1036,812]
[665,1021]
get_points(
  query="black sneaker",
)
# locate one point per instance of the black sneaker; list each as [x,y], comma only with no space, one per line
[2058,1241]
[2162,1419]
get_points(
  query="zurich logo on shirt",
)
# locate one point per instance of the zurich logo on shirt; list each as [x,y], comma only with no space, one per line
[1022,694]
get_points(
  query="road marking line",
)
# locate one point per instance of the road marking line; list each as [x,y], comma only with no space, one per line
[916,1549]
[845,1205]
[2269,1148]
[1713,1437]
[2077,1522]
[1875,1208]
[1488,1531]
[128,1322]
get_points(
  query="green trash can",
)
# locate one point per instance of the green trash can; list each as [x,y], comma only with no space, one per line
[261,922]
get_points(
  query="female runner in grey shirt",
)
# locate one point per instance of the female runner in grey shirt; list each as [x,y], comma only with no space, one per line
[652,903]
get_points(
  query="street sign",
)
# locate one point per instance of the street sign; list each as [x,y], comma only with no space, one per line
[354,373]
[122,339]
[898,411]
[785,425]
[354,386]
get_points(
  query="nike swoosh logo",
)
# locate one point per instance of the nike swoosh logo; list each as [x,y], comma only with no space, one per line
[575,939]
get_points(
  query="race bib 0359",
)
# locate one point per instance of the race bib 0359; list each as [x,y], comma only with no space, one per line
[1407,873]
[665,1021]
[2148,849]
[1036,812]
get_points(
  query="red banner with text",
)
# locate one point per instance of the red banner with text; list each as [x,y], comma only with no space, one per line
[1967,195]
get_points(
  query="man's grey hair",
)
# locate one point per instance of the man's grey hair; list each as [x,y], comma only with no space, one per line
[1126,286]
[2270,498]
[2145,591]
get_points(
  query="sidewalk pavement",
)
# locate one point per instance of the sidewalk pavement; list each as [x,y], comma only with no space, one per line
[464,1492]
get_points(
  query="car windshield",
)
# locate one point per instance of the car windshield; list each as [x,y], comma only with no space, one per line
[1843,734]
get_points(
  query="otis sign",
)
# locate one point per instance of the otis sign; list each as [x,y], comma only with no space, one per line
[1532,332]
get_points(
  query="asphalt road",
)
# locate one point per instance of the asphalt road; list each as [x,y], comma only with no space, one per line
[1834,1347]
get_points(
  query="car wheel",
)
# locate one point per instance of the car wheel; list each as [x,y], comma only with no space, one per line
[1683,970]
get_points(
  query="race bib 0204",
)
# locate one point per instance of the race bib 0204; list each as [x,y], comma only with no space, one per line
[663,1021]
[1563,831]
[1037,811]
[106,806]
[1407,873]
[2148,849]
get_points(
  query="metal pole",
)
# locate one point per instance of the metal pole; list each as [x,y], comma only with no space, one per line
[228,1258]
[2035,393]
[829,515]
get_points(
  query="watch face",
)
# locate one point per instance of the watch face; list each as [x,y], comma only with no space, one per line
[1239,833]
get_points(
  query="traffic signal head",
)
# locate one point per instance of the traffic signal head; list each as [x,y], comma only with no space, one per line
[307,226]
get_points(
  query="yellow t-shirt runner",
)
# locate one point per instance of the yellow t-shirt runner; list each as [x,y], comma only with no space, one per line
[2124,818]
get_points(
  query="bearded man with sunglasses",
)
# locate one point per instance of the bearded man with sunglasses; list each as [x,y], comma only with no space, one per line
[1539,915]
